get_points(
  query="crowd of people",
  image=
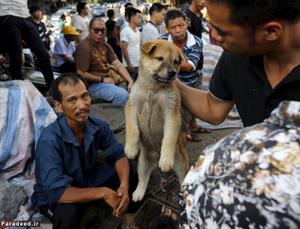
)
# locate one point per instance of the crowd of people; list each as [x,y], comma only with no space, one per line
[249,179]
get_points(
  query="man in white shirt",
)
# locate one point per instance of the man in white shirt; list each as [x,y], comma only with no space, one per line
[151,30]
[15,26]
[64,50]
[131,41]
[81,20]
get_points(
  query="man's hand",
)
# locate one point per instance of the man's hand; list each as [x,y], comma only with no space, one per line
[123,205]
[130,85]
[112,199]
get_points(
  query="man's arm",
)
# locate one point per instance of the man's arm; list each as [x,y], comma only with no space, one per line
[122,168]
[123,72]
[203,105]
[116,33]
[90,77]
[124,49]
[186,67]
[67,58]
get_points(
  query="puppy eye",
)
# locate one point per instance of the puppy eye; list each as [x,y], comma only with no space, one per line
[159,58]
[176,61]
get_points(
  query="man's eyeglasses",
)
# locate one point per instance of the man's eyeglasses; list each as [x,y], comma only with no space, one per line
[97,30]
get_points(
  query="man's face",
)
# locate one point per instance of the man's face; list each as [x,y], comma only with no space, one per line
[232,37]
[200,4]
[136,19]
[177,28]
[71,37]
[97,31]
[159,17]
[85,11]
[75,103]
[38,15]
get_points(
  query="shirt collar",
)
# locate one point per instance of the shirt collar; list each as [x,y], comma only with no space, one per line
[69,136]
[190,39]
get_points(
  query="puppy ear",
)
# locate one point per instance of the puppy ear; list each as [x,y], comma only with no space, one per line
[148,47]
[182,57]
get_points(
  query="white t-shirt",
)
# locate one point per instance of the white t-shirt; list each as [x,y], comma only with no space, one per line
[134,42]
[150,32]
[16,8]
[81,23]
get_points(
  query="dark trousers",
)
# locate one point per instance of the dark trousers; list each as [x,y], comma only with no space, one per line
[14,30]
[67,216]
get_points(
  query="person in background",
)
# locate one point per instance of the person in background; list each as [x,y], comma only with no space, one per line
[122,23]
[249,179]
[151,30]
[81,20]
[15,27]
[61,22]
[64,50]
[93,57]
[68,177]
[131,41]
[194,14]
[36,17]
[191,46]
[111,33]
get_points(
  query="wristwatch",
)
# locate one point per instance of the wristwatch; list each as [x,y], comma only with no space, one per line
[101,81]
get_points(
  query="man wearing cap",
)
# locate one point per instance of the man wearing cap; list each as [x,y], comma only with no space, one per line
[64,49]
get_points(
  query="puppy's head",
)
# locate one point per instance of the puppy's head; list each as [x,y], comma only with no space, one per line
[160,60]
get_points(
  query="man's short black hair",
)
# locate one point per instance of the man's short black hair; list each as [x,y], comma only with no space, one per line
[110,13]
[131,12]
[95,19]
[33,9]
[80,6]
[257,12]
[173,14]
[156,7]
[68,78]
[128,4]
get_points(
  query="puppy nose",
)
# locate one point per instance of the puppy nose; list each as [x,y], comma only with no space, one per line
[171,73]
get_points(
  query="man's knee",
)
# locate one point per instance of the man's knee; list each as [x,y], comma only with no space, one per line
[121,97]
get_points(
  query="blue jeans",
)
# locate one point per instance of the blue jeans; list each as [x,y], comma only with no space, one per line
[109,92]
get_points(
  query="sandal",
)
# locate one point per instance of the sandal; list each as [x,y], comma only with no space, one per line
[193,137]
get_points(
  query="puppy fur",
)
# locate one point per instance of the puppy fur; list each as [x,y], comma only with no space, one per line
[153,118]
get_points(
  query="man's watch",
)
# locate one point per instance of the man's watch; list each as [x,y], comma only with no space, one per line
[101,80]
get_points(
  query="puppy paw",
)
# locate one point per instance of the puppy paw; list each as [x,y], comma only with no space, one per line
[166,164]
[138,195]
[131,151]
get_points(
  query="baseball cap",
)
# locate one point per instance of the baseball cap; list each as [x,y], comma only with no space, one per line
[69,30]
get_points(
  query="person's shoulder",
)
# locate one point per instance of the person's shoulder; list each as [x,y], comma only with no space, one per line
[230,58]
[164,36]
[51,132]
[84,44]
[99,122]
[198,40]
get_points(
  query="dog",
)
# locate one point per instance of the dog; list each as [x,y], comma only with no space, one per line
[153,115]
